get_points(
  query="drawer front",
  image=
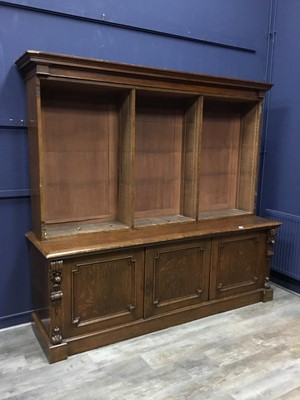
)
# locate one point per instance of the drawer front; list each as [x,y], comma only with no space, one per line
[238,264]
[176,276]
[102,291]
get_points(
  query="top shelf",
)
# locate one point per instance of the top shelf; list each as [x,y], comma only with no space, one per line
[58,66]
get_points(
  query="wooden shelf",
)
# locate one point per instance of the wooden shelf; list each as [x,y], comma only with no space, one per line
[111,240]
[221,213]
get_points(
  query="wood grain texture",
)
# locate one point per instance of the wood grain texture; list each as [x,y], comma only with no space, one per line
[119,142]
[126,162]
[106,291]
[250,145]
[102,297]
[219,156]
[166,266]
[238,264]
[80,132]
[100,241]
[158,159]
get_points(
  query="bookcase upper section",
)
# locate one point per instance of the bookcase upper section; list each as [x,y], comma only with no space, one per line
[116,146]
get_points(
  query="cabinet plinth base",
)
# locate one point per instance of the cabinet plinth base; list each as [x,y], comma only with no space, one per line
[54,353]
[267,295]
[93,340]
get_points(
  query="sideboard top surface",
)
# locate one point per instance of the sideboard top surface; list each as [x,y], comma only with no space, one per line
[104,241]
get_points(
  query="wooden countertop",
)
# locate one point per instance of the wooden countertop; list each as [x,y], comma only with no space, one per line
[85,243]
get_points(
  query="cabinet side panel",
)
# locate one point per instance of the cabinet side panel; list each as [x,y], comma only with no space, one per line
[40,288]
[34,141]
[250,137]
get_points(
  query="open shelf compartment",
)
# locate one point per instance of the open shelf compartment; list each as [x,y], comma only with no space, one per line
[81,158]
[166,147]
[228,158]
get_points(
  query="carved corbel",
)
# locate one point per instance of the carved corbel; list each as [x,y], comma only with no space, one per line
[56,295]
[268,293]
[271,234]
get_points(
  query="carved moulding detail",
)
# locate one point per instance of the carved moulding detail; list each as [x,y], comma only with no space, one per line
[56,338]
[267,284]
[271,235]
[56,295]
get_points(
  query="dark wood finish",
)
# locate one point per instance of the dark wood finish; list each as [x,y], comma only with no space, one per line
[191,138]
[61,66]
[35,153]
[126,160]
[176,276]
[249,153]
[54,352]
[141,327]
[143,187]
[106,291]
[70,246]
[238,264]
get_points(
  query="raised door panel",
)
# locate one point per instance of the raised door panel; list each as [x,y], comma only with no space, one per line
[176,276]
[103,291]
[238,264]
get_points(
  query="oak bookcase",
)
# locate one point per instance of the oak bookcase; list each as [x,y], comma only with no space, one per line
[143,187]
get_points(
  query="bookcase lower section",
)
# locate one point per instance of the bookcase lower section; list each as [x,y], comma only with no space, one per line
[92,299]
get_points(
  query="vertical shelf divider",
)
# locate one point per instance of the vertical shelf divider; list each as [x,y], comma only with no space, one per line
[190,164]
[249,152]
[126,198]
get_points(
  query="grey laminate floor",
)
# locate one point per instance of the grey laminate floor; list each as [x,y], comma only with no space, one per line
[249,353]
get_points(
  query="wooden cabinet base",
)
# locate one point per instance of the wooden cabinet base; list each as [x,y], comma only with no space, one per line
[109,290]
[78,344]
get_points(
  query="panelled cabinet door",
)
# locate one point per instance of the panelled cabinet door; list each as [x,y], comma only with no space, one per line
[238,264]
[176,276]
[102,291]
